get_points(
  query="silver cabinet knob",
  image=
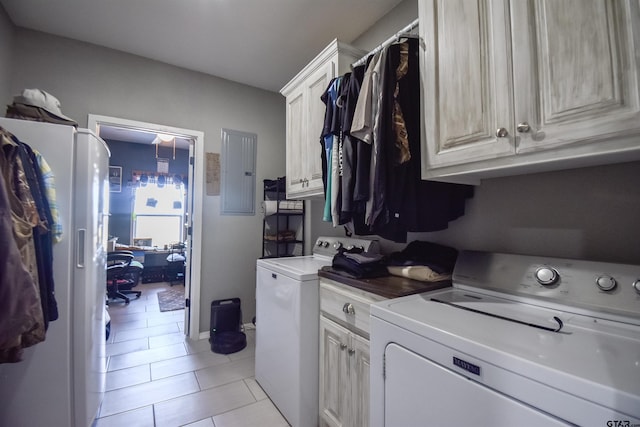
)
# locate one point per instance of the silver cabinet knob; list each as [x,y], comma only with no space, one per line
[342,346]
[348,308]
[523,127]
[636,286]
[351,351]
[502,132]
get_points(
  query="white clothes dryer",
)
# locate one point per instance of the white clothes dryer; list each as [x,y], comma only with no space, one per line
[287,325]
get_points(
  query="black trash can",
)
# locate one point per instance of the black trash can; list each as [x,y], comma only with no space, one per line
[225,333]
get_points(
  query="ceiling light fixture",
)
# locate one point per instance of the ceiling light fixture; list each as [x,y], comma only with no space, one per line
[163,137]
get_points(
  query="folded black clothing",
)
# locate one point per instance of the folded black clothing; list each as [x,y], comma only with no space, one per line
[360,271]
[364,257]
[439,258]
[343,262]
[276,184]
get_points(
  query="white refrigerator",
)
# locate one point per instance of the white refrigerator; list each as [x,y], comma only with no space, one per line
[61,381]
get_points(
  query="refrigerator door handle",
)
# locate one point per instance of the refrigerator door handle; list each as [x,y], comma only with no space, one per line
[80,248]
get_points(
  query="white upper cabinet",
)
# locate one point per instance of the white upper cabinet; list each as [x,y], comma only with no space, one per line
[528,86]
[576,71]
[305,118]
[466,71]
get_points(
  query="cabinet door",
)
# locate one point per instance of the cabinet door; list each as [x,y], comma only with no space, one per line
[467,81]
[576,71]
[360,367]
[296,140]
[316,85]
[335,390]
[304,166]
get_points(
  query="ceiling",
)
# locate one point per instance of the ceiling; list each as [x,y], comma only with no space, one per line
[261,43]
[125,134]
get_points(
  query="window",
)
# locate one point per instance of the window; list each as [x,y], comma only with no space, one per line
[158,213]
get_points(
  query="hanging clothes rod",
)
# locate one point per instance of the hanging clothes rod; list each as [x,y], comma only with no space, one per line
[387,42]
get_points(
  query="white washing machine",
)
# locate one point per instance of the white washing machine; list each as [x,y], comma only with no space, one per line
[287,324]
[518,340]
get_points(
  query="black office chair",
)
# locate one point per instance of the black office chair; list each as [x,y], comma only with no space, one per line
[123,273]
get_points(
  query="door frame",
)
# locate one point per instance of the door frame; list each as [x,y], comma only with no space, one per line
[194,260]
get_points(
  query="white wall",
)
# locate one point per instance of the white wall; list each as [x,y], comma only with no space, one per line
[90,79]
[6,50]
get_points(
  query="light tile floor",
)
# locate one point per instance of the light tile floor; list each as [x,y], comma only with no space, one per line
[158,377]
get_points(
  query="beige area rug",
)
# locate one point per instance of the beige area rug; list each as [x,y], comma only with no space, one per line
[173,299]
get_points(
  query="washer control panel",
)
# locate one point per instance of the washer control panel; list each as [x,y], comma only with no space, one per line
[547,276]
[328,246]
[611,290]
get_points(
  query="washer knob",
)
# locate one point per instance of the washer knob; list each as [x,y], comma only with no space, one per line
[636,286]
[319,243]
[606,283]
[325,244]
[547,276]
[337,245]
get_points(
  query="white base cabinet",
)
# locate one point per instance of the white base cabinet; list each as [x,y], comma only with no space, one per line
[305,118]
[521,87]
[344,355]
[344,376]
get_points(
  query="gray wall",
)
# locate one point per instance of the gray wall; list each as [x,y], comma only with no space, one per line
[90,79]
[387,26]
[6,50]
[398,18]
[590,213]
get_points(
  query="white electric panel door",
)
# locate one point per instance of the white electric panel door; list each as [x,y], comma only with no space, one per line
[238,172]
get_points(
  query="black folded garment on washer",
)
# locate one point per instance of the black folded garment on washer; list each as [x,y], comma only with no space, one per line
[358,264]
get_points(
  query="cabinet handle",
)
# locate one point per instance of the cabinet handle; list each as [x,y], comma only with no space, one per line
[523,127]
[348,308]
[502,132]
[342,346]
[351,351]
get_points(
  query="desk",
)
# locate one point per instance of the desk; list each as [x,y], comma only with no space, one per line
[156,266]
[155,258]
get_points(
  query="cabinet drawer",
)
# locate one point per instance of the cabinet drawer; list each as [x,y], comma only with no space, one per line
[347,305]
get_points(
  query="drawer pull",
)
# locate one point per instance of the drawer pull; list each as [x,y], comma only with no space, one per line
[351,351]
[342,346]
[348,308]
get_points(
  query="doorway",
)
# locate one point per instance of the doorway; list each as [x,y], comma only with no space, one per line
[194,201]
